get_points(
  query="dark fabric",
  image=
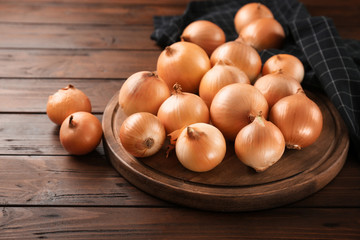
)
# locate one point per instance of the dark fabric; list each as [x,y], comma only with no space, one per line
[332,64]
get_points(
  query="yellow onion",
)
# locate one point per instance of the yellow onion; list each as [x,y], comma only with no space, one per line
[142,134]
[298,118]
[218,76]
[275,86]
[143,92]
[80,133]
[200,147]
[182,109]
[204,33]
[65,102]
[184,63]
[235,106]
[263,33]
[241,55]
[286,63]
[260,144]
[249,13]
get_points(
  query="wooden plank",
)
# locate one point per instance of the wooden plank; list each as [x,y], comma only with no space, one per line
[91,181]
[31,134]
[89,13]
[173,223]
[18,63]
[66,36]
[67,180]
[31,95]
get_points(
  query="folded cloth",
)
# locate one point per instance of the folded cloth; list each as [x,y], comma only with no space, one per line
[332,64]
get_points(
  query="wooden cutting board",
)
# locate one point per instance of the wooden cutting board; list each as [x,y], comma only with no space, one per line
[232,186]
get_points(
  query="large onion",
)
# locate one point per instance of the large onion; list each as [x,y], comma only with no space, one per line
[184,63]
[249,13]
[235,106]
[275,86]
[241,55]
[217,77]
[204,33]
[263,34]
[80,133]
[182,109]
[286,63]
[259,144]
[142,134]
[143,92]
[66,101]
[200,147]
[299,119]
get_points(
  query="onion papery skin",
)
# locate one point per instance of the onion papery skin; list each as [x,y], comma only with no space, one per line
[235,106]
[264,33]
[260,144]
[182,109]
[205,34]
[241,55]
[219,76]
[275,86]
[249,13]
[143,92]
[286,63]
[80,133]
[142,134]
[66,101]
[200,147]
[299,119]
[184,63]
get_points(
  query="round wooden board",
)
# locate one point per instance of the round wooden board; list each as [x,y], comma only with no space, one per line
[232,186]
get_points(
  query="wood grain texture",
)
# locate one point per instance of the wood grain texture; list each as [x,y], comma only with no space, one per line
[66,181]
[18,63]
[91,181]
[159,223]
[86,12]
[31,95]
[71,36]
[231,185]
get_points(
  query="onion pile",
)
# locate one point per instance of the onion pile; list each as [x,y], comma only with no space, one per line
[221,93]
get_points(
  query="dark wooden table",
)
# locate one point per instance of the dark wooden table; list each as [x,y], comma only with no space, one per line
[95,45]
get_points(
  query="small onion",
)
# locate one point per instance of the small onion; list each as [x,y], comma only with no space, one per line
[275,86]
[142,134]
[80,133]
[286,63]
[263,33]
[65,102]
[143,92]
[200,147]
[235,106]
[182,109]
[218,76]
[241,55]
[184,63]
[204,33]
[249,13]
[259,144]
[299,119]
